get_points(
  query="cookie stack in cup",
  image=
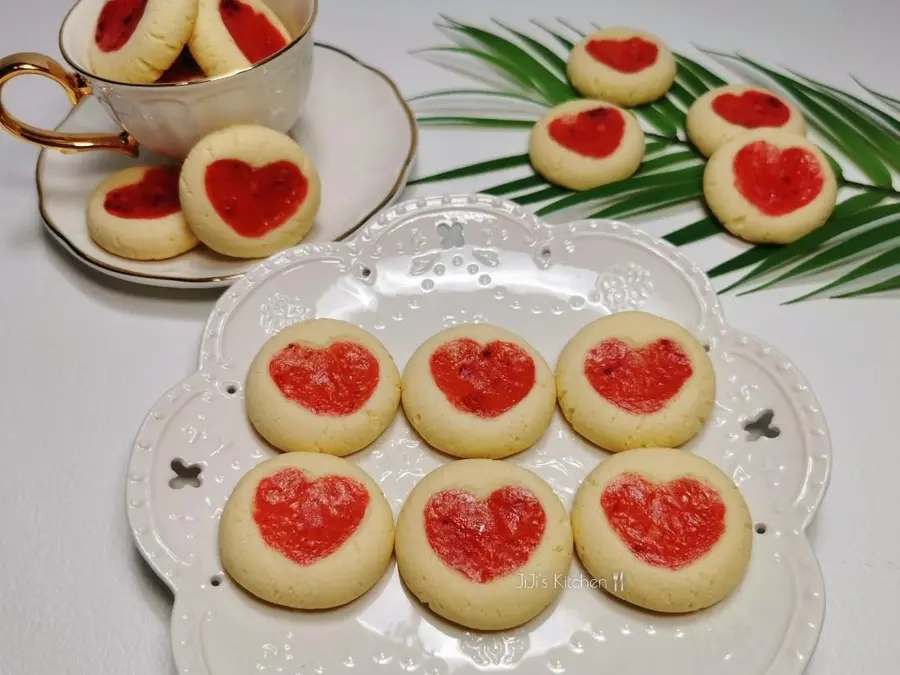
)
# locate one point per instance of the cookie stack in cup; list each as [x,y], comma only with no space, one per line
[481,541]
[147,41]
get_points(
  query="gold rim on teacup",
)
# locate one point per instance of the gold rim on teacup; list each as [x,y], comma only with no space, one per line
[77,87]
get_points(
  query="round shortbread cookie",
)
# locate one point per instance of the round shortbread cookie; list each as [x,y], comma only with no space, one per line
[634,380]
[621,65]
[477,390]
[724,113]
[770,186]
[135,213]
[322,386]
[306,531]
[484,543]
[232,35]
[248,191]
[663,529]
[135,41]
[583,144]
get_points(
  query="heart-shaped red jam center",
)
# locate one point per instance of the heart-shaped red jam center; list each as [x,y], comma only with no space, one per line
[752,109]
[336,380]
[255,201]
[631,55]
[483,380]
[485,539]
[154,196]
[639,381]
[669,525]
[251,31]
[307,520]
[117,22]
[595,133]
[775,181]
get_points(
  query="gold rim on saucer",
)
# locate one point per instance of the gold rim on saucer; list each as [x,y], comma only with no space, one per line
[90,260]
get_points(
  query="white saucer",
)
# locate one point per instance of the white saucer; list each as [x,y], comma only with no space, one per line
[356,127]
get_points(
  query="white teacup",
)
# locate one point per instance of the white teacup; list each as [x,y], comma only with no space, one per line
[170,118]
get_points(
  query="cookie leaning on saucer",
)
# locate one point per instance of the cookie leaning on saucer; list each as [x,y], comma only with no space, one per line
[135,41]
[306,531]
[633,380]
[770,186]
[322,386]
[724,113]
[477,390]
[583,144]
[248,191]
[231,35]
[663,529]
[484,543]
[621,65]
[135,213]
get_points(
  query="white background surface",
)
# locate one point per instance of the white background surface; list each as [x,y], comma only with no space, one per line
[83,358]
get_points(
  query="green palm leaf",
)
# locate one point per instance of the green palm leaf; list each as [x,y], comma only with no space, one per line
[680,93]
[870,238]
[689,81]
[653,115]
[444,93]
[885,144]
[567,44]
[707,78]
[513,72]
[492,122]
[877,264]
[580,33]
[891,284]
[475,169]
[688,234]
[884,98]
[757,253]
[514,57]
[833,228]
[517,185]
[854,146]
[649,201]
[891,123]
[548,192]
[551,57]
[533,64]
[690,175]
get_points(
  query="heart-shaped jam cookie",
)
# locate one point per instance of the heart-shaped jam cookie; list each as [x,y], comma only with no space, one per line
[777,181]
[639,381]
[483,380]
[752,109]
[335,380]
[251,31]
[308,520]
[631,55]
[154,196]
[595,133]
[485,539]
[255,201]
[117,22]
[669,525]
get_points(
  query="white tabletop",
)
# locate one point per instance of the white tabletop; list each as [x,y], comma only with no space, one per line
[83,357]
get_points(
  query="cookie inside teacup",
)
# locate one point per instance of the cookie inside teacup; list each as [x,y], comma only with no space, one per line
[174,41]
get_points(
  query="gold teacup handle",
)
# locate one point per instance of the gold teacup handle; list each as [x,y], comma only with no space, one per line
[30,63]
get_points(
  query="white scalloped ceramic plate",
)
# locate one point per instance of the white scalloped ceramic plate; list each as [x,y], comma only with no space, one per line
[361,136]
[418,267]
